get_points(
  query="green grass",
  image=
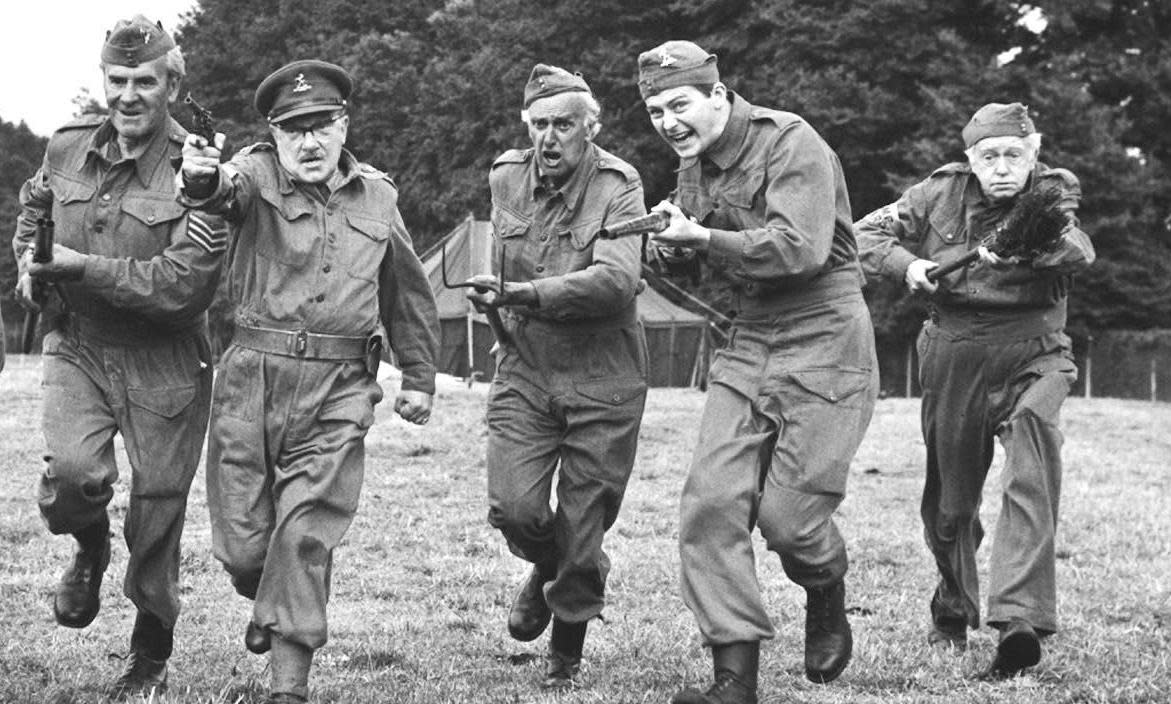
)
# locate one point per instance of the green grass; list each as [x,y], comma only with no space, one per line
[422,584]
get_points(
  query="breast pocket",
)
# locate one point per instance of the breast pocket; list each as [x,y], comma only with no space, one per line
[71,198]
[362,246]
[510,230]
[145,229]
[287,231]
[945,233]
[742,192]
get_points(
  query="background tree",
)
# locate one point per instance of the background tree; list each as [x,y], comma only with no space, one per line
[20,157]
[888,83]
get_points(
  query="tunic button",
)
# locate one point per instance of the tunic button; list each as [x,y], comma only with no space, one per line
[320,297]
[615,398]
[544,238]
[540,268]
[106,196]
[150,218]
[326,268]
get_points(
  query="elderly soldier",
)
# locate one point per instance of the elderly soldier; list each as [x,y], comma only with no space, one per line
[321,259]
[570,387]
[125,345]
[994,361]
[792,394]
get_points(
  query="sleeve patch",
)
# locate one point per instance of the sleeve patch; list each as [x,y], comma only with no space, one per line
[212,238]
[884,216]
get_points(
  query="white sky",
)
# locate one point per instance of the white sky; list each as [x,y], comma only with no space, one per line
[50,49]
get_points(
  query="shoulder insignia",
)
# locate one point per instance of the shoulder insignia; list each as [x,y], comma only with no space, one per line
[1064,175]
[90,121]
[610,162]
[513,156]
[778,117]
[367,171]
[258,147]
[955,167]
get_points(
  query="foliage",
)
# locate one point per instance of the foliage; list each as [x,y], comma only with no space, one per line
[20,156]
[888,83]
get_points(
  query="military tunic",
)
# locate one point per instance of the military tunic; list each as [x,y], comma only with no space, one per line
[570,393]
[313,274]
[792,393]
[125,347]
[994,360]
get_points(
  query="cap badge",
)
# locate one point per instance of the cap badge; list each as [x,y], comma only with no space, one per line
[145,36]
[667,59]
[301,84]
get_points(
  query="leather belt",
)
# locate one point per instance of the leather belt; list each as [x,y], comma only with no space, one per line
[304,344]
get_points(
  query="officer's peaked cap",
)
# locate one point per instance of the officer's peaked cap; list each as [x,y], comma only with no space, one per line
[301,88]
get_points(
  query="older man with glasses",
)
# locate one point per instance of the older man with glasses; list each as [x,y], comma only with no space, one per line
[321,263]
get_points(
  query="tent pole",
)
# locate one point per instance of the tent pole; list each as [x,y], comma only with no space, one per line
[471,348]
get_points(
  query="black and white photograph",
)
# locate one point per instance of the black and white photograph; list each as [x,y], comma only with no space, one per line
[582,351]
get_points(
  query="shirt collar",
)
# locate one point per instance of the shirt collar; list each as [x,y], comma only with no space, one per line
[572,190]
[724,151]
[104,142]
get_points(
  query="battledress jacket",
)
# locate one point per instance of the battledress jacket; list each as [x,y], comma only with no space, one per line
[945,215]
[327,263]
[151,271]
[773,195]
[550,236]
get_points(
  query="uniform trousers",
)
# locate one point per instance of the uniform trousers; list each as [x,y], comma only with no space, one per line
[569,401]
[981,382]
[285,463]
[790,399]
[156,394]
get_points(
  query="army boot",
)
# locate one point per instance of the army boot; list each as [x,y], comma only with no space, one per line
[78,596]
[145,674]
[530,614]
[736,666]
[828,640]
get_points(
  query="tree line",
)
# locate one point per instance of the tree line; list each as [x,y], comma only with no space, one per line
[888,83]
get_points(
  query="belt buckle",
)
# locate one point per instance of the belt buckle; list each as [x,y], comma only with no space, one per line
[301,342]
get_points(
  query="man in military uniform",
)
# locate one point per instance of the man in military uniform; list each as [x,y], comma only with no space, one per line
[125,345]
[570,386]
[993,361]
[320,260]
[761,198]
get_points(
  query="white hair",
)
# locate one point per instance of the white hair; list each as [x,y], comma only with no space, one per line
[590,109]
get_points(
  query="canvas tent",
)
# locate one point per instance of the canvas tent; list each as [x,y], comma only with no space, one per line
[676,338]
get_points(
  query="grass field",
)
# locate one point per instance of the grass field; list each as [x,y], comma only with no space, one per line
[422,584]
